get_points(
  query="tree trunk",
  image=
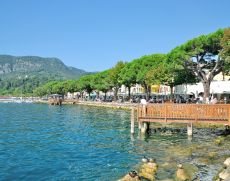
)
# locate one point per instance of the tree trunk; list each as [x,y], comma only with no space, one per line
[171,92]
[223,74]
[115,93]
[97,94]
[148,93]
[129,89]
[206,86]
[206,78]
[105,96]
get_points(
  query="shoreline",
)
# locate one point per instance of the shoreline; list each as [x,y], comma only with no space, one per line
[114,105]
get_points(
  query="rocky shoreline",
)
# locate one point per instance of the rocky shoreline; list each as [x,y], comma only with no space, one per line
[184,172]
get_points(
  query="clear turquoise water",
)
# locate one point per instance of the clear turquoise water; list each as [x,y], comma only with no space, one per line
[42,142]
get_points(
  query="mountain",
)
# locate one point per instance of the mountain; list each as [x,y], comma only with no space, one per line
[24,73]
[32,65]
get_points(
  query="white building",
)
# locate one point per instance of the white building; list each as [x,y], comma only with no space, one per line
[138,89]
[218,88]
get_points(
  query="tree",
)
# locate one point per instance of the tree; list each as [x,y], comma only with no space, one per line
[85,84]
[40,91]
[101,82]
[201,56]
[128,75]
[114,77]
[225,53]
[177,72]
[70,86]
[149,72]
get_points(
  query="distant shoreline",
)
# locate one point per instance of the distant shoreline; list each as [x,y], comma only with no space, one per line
[114,105]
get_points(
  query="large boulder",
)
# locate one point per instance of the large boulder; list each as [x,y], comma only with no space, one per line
[181,174]
[131,176]
[227,162]
[225,174]
[148,169]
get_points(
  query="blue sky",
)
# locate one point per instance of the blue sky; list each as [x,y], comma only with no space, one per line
[94,34]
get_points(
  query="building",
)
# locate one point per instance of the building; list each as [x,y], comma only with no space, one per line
[218,89]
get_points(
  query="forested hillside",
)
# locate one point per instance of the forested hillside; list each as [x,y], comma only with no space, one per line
[23,74]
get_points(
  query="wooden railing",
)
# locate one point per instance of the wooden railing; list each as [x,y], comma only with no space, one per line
[200,113]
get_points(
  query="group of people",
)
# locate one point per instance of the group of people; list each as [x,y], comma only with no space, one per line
[209,100]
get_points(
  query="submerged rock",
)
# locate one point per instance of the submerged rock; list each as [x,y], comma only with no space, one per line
[219,140]
[225,132]
[168,165]
[181,152]
[212,155]
[186,172]
[131,176]
[181,174]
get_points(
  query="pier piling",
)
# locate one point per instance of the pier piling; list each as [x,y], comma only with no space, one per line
[144,127]
[189,129]
[132,121]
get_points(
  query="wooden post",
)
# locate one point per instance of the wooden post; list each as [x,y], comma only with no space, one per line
[189,129]
[132,121]
[138,114]
[144,127]
[228,114]
[139,125]
[165,112]
[144,110]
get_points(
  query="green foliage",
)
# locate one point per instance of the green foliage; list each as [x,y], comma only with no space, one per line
[101,81]
[128,75]
[21,75]
[114,74]
[200,58]
[145,66]
[85,83]
[225,53]
[177,72]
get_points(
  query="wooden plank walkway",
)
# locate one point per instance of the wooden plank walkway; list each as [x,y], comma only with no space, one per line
[185,113]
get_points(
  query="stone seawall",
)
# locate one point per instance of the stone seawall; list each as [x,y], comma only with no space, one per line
[113,105]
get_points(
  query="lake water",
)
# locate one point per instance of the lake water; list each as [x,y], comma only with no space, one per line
[42,142]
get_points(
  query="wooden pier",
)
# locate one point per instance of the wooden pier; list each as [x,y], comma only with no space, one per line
[183,113]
